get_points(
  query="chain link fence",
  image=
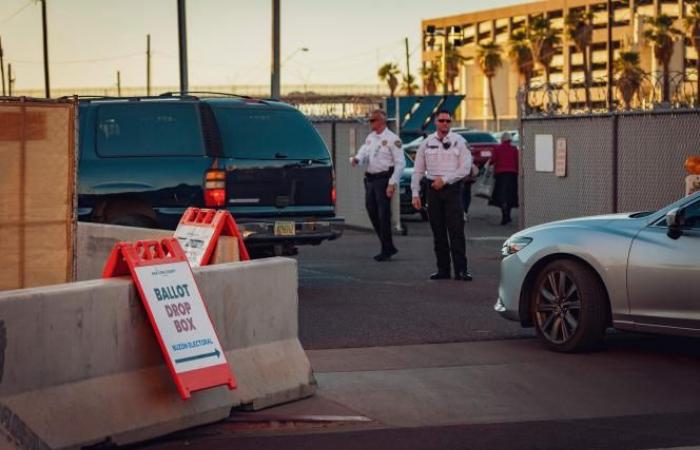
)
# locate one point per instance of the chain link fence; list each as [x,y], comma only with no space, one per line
[615,162]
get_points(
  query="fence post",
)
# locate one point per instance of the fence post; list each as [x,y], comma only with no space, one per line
[615,169]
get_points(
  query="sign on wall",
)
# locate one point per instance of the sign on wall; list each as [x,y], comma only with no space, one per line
[544,153]
[560,158]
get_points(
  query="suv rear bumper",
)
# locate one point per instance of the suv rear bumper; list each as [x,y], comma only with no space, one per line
[306,230]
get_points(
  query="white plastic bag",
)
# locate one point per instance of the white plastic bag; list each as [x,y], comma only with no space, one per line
[485,182]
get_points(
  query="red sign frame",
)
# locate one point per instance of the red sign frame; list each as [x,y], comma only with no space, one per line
[223,224]
[124,260]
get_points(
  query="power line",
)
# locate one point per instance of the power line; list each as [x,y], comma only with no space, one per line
[81,61]
[12,16]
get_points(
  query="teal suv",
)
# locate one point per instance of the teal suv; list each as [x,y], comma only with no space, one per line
[144,160]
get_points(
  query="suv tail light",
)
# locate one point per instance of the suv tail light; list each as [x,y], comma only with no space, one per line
[215,188]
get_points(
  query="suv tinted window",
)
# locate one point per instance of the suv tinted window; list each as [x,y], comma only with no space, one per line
[479,138]
[149,129]
[252,133]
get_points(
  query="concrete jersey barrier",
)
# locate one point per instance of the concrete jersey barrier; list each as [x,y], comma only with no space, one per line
[80,365]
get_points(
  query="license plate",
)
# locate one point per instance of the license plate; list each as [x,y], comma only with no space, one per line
[486,154]
[284,229]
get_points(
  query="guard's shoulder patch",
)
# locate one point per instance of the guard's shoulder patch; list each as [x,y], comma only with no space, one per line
[397,143]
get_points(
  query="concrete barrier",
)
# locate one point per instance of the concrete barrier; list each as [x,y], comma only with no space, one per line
[80,365]
[96,241]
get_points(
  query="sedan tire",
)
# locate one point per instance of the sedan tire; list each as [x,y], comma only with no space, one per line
[569,307]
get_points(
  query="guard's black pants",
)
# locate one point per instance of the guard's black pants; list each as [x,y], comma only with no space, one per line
[447,222]
[379,209]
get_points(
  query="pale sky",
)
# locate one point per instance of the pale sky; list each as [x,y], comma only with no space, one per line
[228,40]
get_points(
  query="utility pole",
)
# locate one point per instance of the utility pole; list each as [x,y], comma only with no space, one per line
[47,87]
[2,69]
[408,70]
[275,74]
[10,80]
[611,19]
[182,32]
[148,64]
[119,84]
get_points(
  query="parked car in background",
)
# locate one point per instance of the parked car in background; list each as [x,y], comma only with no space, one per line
[144,160]
[481,144]
[573,278]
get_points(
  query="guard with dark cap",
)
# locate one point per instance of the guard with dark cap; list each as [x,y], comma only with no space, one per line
[444,159]
[383,156]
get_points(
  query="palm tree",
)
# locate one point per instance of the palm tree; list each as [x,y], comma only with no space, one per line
[520,54]
[431,78]
[579,28]
[629,75]
[661,36]
[453,60]
[543,40]
[692,23]
[488,57]
[388,73]
[408,84]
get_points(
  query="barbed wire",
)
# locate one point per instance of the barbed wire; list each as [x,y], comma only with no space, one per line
[561,98]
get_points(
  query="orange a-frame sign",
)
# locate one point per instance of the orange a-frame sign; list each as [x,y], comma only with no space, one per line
[199,230]
[176,311]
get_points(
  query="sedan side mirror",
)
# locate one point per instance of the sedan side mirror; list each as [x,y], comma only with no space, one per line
[674,222]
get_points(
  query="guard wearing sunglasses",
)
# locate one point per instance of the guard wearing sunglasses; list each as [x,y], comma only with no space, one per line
[444,159]
[383,156]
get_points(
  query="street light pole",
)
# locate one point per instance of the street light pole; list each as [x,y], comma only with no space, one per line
[182,33]
[47,88]
[275,74]
[148,64]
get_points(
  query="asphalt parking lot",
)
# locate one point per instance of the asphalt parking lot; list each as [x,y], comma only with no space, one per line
[403,362]
[346,299]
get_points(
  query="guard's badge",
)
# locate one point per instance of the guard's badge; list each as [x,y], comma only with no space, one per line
[384,142]
[398,144]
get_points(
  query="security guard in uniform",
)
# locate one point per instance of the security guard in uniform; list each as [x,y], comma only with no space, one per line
[383,156]
[444,159]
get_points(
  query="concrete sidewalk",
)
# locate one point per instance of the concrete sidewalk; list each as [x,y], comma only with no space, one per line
[500,382]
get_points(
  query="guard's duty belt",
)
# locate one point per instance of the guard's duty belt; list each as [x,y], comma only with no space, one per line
[379,175]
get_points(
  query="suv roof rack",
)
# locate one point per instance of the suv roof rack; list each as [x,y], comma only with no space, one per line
[133,98]
[188,93]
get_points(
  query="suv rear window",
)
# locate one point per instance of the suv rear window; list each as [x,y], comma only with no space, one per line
[256,133]
[479,138]
[149,129]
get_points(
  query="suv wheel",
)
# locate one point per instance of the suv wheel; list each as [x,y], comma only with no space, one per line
[569,307]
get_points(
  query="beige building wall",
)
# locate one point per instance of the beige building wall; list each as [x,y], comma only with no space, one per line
[497,24]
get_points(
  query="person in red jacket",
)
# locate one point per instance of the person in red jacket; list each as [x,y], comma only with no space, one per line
[505,169]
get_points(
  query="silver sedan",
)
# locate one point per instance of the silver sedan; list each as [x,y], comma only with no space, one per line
[573,278]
